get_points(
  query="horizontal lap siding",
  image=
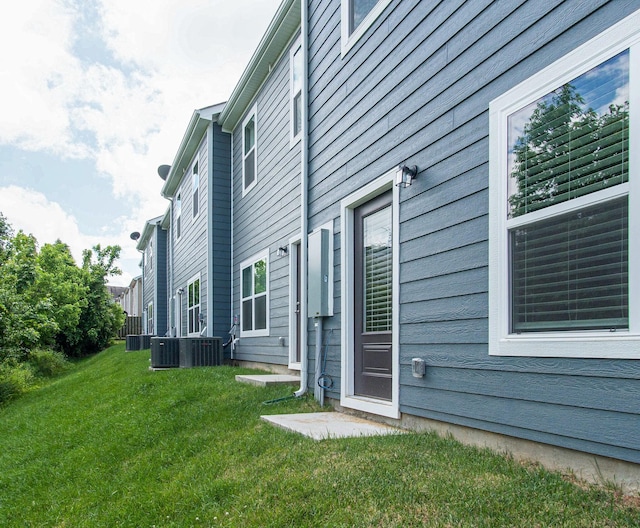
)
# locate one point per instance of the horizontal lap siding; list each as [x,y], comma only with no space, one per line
[160,308]
[269,214]
[190,250]
[416,88]
[220,212]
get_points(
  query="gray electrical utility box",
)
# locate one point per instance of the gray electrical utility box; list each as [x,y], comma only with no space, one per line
[318,278]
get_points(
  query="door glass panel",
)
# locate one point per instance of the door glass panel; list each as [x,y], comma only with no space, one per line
[377,270]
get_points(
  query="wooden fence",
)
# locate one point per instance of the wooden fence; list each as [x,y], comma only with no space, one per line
[132,326]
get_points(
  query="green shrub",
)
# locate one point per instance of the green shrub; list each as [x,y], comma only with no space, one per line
[47,363]
[14,380]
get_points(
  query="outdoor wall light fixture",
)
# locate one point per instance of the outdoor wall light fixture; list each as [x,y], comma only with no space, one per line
[283,251]
[405,175]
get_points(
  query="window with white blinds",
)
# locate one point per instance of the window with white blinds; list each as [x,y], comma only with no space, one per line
[564,273]
[569,272]
[378,271]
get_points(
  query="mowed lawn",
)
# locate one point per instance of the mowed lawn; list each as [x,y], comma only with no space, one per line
[113,444]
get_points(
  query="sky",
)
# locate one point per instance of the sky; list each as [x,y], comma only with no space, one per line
[95,95]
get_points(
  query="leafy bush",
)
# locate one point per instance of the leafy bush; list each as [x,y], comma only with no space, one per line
[47,363]
[15,379]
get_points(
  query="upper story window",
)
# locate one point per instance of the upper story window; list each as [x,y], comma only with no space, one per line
[195,185]
[149,256]
[178,215]
[255,297]
[357,17]
[297,67]
[564,188]
[249,151]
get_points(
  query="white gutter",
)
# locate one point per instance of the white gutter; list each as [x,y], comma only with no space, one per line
[304,224]
[233,320]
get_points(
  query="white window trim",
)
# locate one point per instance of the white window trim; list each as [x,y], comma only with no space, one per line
[390,409]
[196,277]
[293,138]
[264,332]
[348,41]
[195,188]
[252,114]
[596,344]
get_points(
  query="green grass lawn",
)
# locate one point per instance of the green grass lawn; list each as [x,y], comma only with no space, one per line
[113,444]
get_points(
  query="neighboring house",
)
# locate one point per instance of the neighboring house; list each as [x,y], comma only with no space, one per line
[199,227]
[116,292]
[131,298]
[264,116]
[509,267]
[153,245]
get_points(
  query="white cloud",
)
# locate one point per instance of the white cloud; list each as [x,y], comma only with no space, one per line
[127,110]
[30,211]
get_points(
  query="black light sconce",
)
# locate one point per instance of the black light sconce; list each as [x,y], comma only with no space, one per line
[282,251]
[405,175]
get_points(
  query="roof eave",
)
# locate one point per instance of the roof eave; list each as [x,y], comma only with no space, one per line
[283,26]
[190,141]
[147,232]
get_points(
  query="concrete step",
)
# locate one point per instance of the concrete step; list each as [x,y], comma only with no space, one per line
[324,425]
[264,380]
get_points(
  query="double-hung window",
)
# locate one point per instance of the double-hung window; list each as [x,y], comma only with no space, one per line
[296,90]
[254,281]
[357,17]
[193,306]
[249,151]
[178,215]
[149,256]
[565,205]
[150,328]
[195,185]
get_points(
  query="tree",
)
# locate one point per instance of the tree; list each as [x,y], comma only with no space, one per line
[61,282]
[47,301]
[101,318]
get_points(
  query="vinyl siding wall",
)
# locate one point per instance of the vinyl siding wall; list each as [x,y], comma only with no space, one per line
[220,230]
[160,313]
[269,214]
[190,250]
[149,283]
[416,89]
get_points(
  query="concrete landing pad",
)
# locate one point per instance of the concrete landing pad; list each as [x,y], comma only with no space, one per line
[264,380]
[323,425]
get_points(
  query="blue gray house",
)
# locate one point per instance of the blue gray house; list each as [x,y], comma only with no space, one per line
[445,198]
[498,296]
[153,245]
[264,117]
[198,187]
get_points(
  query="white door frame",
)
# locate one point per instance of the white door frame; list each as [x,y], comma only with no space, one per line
[178,308]
[294,251]
[390,409]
